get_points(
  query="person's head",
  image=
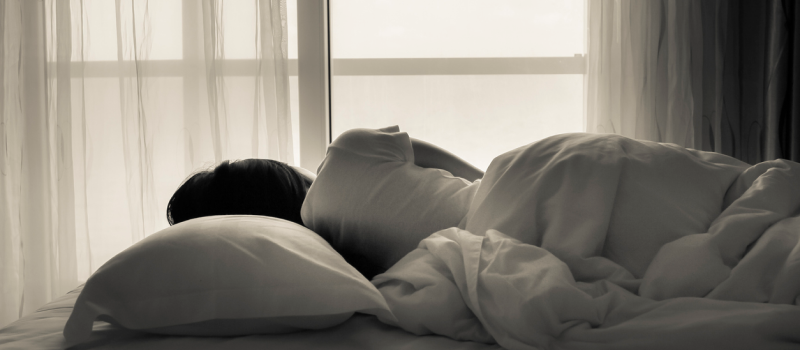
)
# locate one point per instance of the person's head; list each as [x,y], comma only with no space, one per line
[250,186]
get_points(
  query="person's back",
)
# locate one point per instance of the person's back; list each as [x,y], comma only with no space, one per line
[371,198]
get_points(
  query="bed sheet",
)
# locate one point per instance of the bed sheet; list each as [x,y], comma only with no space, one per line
[585,241]
[42,330]
[493,287]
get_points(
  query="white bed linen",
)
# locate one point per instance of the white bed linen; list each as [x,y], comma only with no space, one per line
[524,297]
[570,242]
[42,330]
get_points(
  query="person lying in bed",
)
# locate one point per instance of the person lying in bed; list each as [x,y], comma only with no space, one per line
[657,219]
[367,178]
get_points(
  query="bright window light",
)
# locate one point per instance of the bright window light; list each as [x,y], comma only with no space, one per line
[162,32]
[239,32]
[456,28]
[476,77]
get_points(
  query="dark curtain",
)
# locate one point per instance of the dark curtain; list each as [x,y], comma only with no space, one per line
[760,84]
[716,75]
[789,126]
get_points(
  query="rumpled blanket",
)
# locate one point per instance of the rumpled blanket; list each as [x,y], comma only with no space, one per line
[599,241]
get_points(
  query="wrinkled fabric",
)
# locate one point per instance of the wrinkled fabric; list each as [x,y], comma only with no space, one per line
[715,75]
[604,204]
[523,297]
[370,198]
[591,241]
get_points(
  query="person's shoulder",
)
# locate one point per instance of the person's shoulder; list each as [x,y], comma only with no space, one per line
[354,138]
[386,142]
[359,136]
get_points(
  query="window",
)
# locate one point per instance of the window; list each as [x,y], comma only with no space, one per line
[168,48]
[463,74]
[476,77]
[125,205]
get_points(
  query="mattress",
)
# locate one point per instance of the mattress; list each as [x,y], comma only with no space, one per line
[42,330]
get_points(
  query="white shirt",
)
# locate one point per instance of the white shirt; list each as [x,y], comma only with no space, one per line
[370,198]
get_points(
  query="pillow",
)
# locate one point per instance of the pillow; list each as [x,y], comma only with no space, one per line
[225,276]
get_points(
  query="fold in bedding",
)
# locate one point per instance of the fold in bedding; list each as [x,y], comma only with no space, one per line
[523,297]
[599,241]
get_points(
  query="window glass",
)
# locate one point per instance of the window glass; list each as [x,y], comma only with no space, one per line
[166,34]
[294,100]
[239,31]
[393,65]
[162,31]
[100,31]
[456,28]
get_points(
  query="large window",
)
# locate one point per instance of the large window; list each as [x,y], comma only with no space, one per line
[170,42]
[475,77]
[175,38]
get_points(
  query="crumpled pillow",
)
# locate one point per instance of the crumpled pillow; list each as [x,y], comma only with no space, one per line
[225,276]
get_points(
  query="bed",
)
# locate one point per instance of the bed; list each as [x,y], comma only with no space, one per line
[577,241]
[42,330]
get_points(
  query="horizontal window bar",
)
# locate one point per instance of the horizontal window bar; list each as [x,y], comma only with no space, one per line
[458,66]
[349,66]
[166,68]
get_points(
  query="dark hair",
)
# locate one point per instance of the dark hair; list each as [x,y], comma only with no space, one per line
[251,186]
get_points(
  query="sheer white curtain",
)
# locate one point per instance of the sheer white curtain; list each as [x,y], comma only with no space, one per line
[107,107]
[716,75]
[644,69]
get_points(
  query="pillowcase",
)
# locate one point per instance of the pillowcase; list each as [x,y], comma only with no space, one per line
[225,276]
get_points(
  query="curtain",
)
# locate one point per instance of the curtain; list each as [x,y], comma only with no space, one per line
[716,75]
[106,107]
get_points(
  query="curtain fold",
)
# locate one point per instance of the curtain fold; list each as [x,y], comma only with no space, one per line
[102,119]
[639,76]
[790,123]
[715,75]
[133,34]
[214,53]
[270,79]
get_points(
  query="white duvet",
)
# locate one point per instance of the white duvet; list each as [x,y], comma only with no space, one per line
[598,241]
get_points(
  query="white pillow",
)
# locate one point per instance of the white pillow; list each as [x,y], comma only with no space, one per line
[225,276]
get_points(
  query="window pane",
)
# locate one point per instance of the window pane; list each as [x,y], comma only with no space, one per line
[294,99]
[456,28]
[165,17]
[473,111]
[161,32]
[239,35]
[239,29]
[100,31]
[291,24]
[474,116]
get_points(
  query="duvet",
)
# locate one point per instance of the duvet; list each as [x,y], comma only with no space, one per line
[596,241]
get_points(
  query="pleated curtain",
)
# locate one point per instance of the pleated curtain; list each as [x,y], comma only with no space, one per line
[92,146]
[716,75]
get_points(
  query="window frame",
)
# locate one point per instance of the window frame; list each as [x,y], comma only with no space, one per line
[315,70]
[313,78]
